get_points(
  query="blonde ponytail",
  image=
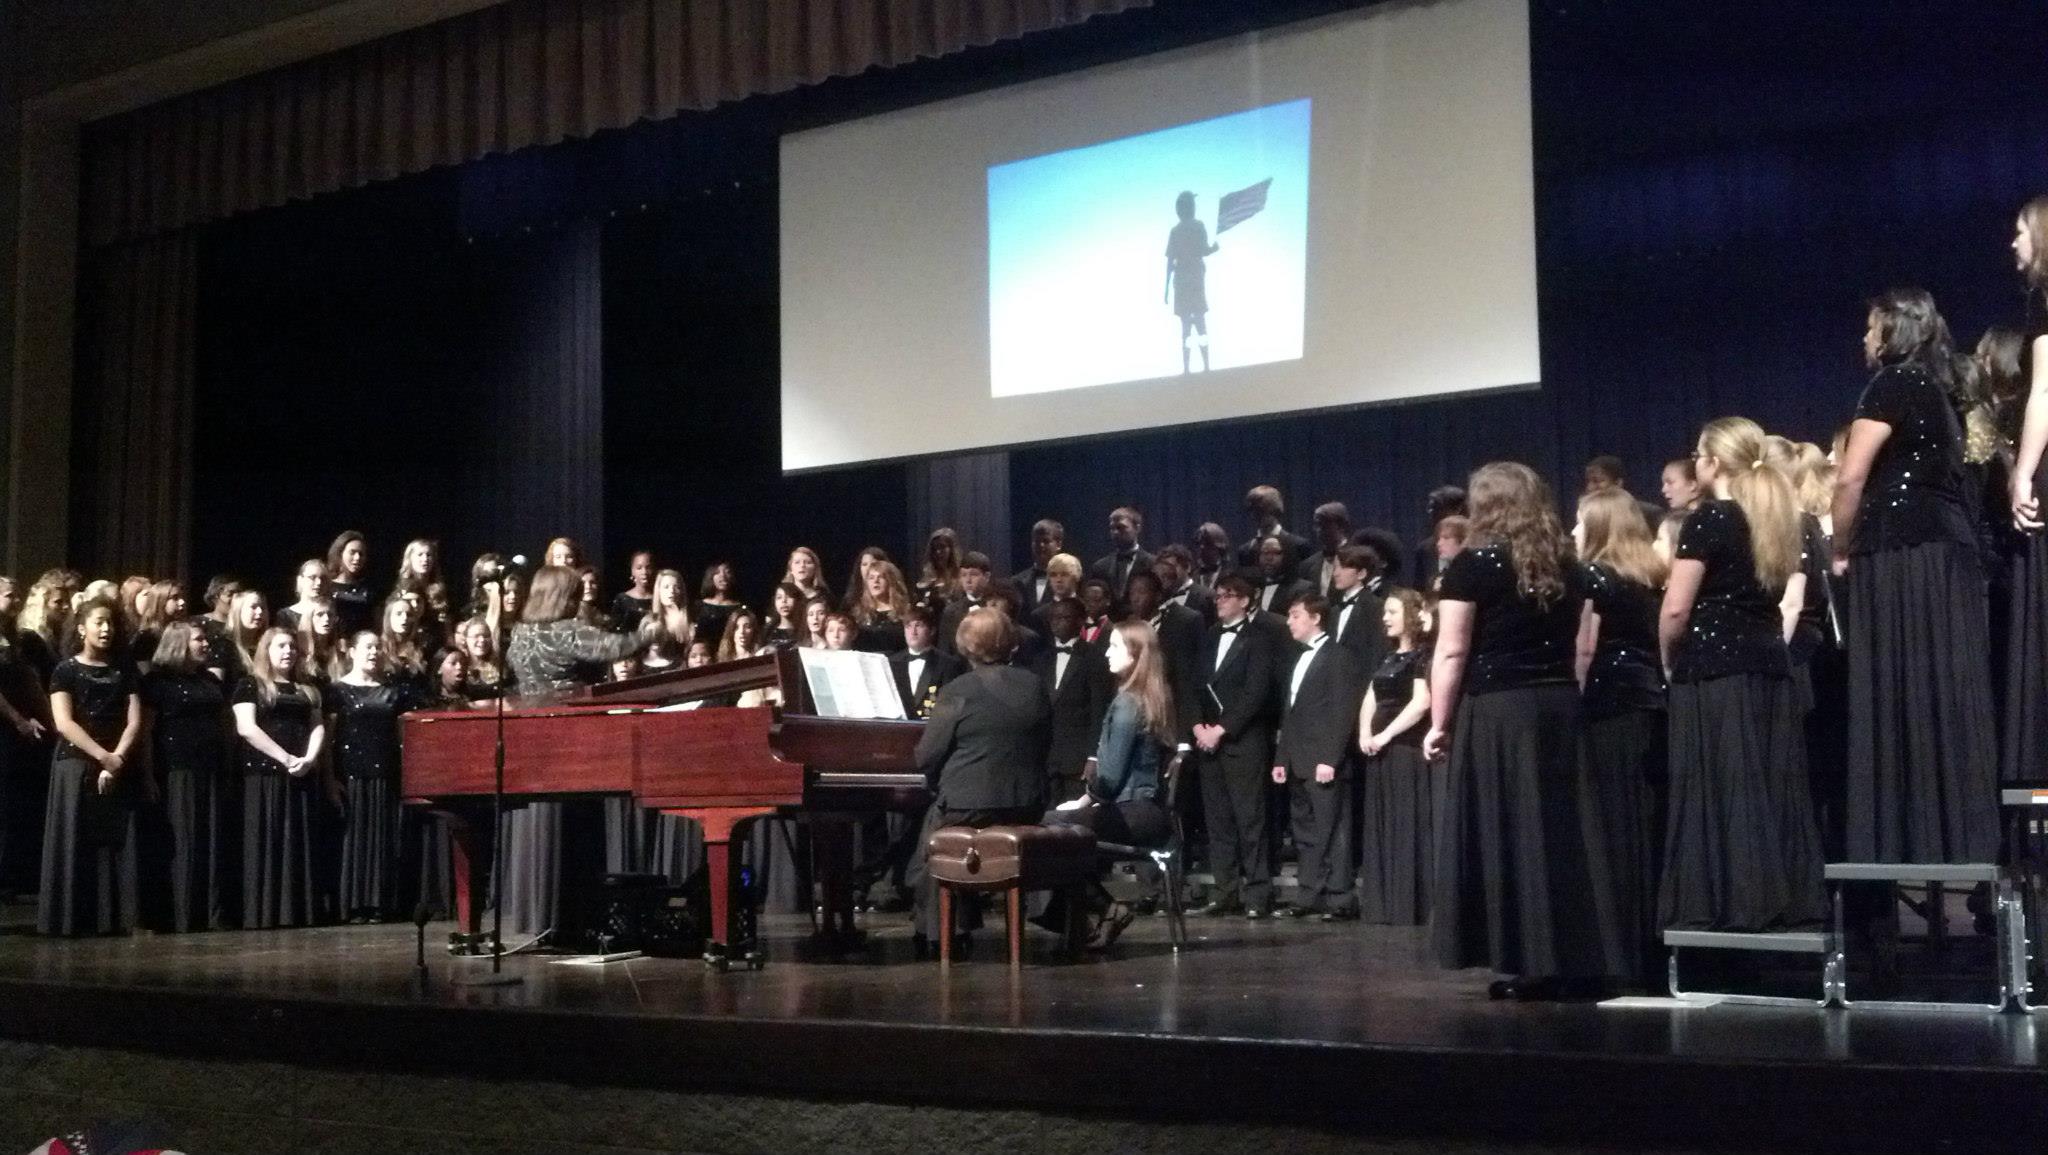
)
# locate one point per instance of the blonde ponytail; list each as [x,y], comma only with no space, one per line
[1769,502]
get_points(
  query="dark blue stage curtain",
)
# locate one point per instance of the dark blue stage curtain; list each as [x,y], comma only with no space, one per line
[360,367]
[970,492]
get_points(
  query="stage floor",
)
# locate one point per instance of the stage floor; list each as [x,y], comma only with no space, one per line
[1249,1017]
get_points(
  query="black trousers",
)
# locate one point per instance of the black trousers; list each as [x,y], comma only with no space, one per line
[1234,780]
[917,875]
[1322,842]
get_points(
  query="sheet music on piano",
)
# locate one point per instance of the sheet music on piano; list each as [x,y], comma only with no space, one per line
[851,684]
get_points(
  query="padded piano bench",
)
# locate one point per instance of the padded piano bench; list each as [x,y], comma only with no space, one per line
[1011,859]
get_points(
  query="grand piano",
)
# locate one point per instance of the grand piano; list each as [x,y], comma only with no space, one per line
[723,766]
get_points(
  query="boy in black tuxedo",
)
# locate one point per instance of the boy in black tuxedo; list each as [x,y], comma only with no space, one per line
[1233,741]
[921,668]
[1077,683]
[1312,757]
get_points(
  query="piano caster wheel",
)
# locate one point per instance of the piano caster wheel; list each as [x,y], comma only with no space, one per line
[756,960]
[718,963]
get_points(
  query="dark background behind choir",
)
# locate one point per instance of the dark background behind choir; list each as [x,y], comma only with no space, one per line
[517,348]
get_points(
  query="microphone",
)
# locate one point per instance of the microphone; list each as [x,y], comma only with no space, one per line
[518,561]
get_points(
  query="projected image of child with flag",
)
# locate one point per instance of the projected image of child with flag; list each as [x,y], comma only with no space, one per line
[1074,295]
[1187,271]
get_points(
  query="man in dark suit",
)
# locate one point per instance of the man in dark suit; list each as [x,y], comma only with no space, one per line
[982,753]
[1024,641]
[1213,555]
[1311,756]
[1179,630]
[1278,587]
[1386,554]
[1126,556]
[1355,611]
[1048,538]
[1175,565]
[1333,529]
[973,588]
[1268,514]
[921,669]
[1077,683]
[1233,743]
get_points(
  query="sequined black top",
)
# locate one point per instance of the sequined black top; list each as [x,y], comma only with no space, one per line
[1735,627]
[1812,632]
[355,608]
[556,657]
[99,700]
[1515,641]
[188,720]
[1393,685]
[366,726]
[1915,492]
[288,720]
[1626,673]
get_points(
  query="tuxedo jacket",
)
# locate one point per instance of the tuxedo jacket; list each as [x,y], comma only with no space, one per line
[1077,705]
[1200,600]
[1298,547]
[1026,581]
[949,622]
[940,667]
[1180,643]
[1319,727]
[1287,590]
[1310,572]
[1365,635]
[1238,695]
[983,748]
[1105,568]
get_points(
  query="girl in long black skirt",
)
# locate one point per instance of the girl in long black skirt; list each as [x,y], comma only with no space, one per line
[277,718]
[187,708]
[1622,682]
[1400,797]
[89,845]
[1517,886]
[2026,684]
[363,709]
[1741,850]
[1923,775]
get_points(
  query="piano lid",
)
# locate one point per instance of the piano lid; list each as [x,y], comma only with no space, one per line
[684,685]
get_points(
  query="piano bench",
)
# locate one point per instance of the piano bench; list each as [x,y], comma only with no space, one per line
[1011,859]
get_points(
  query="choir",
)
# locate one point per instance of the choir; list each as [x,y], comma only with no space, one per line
[1551,743]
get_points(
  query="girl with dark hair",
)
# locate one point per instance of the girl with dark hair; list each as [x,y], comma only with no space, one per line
[817,612]
[1741,850]
[277,718]
[1622,739]
[1517,887]
[186,714]
[362,710]
[939,581]
[636,601]
[348,567]
[1680,485]
[90,875]
[309,585]
[2025,757]
[719,597]
[1922,767]
[786,618]
[1400,795]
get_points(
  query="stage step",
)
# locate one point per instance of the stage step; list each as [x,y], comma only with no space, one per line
[1972,873]
[1820,943]
[1786,942]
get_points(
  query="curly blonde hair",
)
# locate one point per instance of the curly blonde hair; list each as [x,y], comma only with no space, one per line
[1512,506]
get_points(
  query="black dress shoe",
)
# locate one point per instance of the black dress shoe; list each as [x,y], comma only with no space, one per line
[1292,911]
[1256,913]
[1216,909]
[1341,914]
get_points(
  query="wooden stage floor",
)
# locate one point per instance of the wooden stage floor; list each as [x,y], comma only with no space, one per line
[1344,1025]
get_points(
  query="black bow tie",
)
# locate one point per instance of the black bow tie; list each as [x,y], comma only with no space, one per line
[1350,599]
[1233,629]
[1063,647]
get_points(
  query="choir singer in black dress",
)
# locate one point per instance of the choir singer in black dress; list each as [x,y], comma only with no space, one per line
[1515,880]
[982,753]
[1398,802]
[277,716]
[90,876]
[1922,768]
[187,719]
[363,708]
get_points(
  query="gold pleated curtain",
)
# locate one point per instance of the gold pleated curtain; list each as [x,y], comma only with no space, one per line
[528,72]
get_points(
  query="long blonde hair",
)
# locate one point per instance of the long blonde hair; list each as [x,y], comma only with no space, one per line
[1766,496]
[1806,466]
[1619,537]
[1145,679]
[866,611]
[268,684]
[1512,506]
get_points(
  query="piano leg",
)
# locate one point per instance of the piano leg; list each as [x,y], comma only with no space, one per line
[731,937]
[470,849]
[832,852]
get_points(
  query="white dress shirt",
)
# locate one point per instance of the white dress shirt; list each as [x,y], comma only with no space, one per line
[1301,666]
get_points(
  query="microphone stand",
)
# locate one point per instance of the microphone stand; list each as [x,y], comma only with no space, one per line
[497,977]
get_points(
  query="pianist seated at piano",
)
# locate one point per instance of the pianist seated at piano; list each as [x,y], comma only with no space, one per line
[982,753]
[1122,802]
[551,652]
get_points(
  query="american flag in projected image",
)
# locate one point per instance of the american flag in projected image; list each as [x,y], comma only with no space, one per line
[1238,207]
